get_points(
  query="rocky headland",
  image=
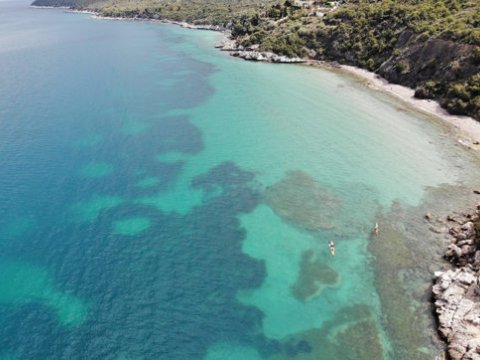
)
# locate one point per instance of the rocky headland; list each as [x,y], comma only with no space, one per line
[457,291]
[252,53]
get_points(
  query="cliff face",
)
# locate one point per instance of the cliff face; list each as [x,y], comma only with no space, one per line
[421,59]
[440,69]
[433,67]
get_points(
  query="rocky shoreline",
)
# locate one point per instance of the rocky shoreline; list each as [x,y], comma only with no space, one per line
[457,291]
[229,45]
[466,128]
[251,53]
[97,15]
[163,21]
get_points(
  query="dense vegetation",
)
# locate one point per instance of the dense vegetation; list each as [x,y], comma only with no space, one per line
[215,12]
[430,45]
[64,3]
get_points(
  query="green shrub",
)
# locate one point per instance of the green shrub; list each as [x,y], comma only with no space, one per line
[459,91]
[403,66]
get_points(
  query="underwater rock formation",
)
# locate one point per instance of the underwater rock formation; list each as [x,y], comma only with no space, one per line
[314,275]
[300,199]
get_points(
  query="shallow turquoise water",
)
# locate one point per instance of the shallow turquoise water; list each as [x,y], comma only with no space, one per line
[161,200]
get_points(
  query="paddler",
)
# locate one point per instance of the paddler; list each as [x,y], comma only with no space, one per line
[332,248]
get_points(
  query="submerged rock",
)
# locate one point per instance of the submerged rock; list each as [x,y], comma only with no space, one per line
[302,200]
[313,277]
[352,334]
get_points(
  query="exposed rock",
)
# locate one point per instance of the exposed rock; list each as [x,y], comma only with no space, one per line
[437,230]
[252,53]
[200,27]
[465,242]
[462,248]
[454,230]
[453,251]
[227,45]
[457,303]
[468,229]
[476,259]
[265,56]
[467,250]
[453,218]
[457,291]
[431,59]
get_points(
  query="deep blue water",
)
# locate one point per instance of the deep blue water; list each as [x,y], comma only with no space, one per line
[174,294]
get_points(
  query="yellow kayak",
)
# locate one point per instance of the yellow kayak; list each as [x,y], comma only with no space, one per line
[332,248]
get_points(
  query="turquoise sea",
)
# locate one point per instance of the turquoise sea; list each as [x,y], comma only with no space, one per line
[162,200]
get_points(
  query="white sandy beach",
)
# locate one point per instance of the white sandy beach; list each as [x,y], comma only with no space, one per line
[467,128]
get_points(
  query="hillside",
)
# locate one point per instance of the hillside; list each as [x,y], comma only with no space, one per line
[74,4]
[212,12]
[209,12]
[432,46]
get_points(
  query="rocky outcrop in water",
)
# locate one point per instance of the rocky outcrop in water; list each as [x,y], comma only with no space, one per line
[252,53]
[265,56]
[196,27]
[457,291]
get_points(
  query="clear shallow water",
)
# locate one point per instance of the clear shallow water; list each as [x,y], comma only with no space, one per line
[161,200]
